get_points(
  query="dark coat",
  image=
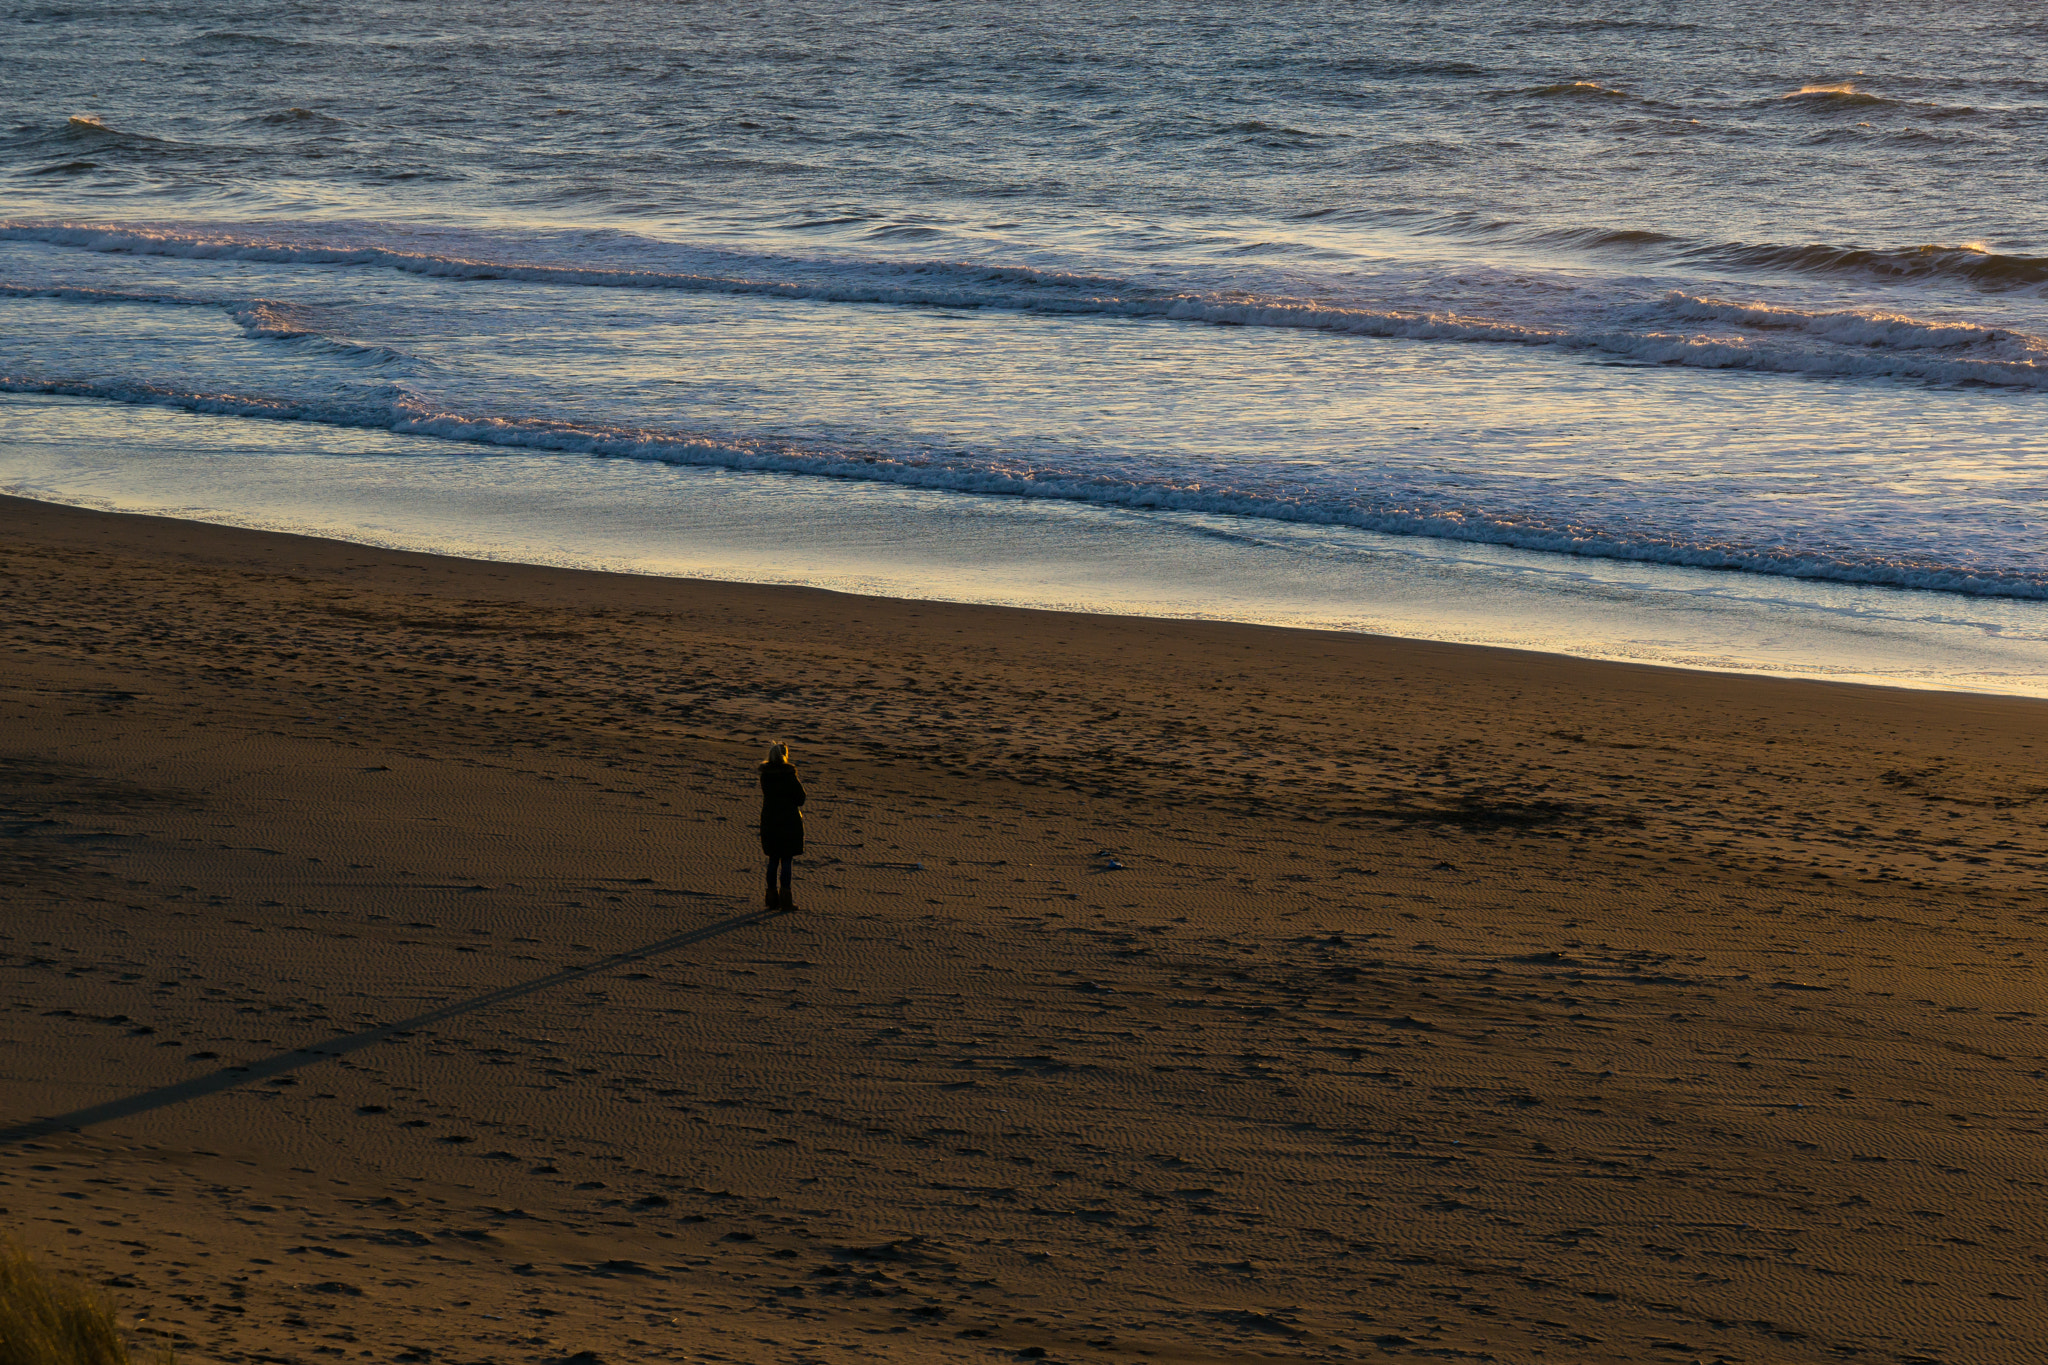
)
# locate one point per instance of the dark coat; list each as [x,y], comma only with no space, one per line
[782,816]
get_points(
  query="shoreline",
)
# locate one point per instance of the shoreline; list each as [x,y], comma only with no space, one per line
[907,544]
[696,584]
[387,924]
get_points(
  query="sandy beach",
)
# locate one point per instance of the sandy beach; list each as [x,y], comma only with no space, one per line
[386,978]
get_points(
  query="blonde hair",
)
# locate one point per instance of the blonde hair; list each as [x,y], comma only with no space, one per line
[778,753]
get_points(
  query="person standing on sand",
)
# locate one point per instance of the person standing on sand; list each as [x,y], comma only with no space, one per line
[782,822]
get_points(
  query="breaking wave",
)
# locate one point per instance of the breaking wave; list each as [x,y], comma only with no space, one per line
[1972,262]
[1839,94]
[392,408]
[1867,328]
[1845,345]
[268,318]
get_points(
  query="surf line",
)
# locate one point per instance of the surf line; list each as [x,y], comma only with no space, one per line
[230,1077]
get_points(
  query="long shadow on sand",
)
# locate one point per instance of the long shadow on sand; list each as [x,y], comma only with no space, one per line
[340,1047]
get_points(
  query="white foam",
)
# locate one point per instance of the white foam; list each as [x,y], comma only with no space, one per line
[391,408]
[634,517]
[1874,328]
[1849,344]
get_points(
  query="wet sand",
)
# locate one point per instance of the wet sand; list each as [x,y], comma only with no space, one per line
[386,978]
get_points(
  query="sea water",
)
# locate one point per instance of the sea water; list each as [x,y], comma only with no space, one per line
[1714,336]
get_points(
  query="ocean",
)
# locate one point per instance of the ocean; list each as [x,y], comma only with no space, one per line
[1713,335]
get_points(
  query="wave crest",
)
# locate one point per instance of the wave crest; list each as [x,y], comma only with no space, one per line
[92,127]
[1972,262]
[1829,350]
[1577,90]
[271,319]
[1840,94]
[1868,328]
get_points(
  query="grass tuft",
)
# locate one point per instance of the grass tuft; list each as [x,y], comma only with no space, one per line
[47,1319]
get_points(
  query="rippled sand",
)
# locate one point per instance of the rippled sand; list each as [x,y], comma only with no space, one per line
[387,927]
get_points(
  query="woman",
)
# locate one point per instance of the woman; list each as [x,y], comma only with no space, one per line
[782,822]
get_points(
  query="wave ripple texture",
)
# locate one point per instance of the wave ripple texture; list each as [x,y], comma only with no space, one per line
[1628,288]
